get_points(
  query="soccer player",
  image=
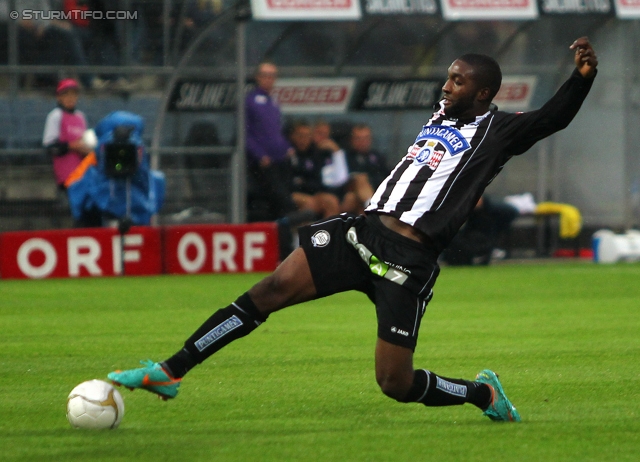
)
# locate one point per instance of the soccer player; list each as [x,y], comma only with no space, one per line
[390,252]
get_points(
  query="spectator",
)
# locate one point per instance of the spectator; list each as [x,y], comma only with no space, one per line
[99,39]
[198,14]
[308,191]
[63,139]
[361,158]
[151,15]
[48,41]
[268,150]
[351,186]
[476,242]
[321,132]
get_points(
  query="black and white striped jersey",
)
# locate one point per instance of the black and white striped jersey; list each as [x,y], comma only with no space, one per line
[436,185]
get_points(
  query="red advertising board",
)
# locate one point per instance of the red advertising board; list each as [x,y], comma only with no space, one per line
[79,253]
[147,250]
[314,95]
[220,248]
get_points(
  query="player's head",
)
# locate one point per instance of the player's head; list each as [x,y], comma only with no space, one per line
[67,93]
[487,71]
[473,81]
[266,75]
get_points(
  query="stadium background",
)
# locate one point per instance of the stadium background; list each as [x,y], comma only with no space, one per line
[594,165]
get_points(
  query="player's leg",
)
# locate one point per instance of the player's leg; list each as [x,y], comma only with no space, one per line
[398,380]
[399,314]
[289,284]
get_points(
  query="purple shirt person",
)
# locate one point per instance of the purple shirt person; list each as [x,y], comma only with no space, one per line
[265,140]
[268,151]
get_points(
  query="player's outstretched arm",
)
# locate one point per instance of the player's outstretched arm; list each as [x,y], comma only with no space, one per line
[585,57]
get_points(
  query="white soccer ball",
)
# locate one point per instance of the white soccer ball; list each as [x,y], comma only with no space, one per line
[95,404]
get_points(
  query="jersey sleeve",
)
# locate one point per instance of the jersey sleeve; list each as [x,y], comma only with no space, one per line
[52,127]
[523,130]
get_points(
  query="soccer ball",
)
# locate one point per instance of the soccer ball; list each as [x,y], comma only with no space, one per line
[95,404]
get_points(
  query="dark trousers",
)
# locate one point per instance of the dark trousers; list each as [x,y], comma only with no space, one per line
[269,190]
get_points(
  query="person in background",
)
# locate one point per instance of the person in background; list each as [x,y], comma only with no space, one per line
[63,134]
[307,161]
[477,241]
[352,186]
[48,41]
[362,158]
[98,38]
[268,150]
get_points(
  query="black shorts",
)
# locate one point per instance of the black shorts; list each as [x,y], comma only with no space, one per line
[349,252]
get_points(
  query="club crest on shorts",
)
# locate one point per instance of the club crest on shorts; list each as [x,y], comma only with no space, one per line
[320,238]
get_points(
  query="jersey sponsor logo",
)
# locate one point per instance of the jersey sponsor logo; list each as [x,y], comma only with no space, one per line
[451,388]
[450,137]
[218,332]
[320,238]
[433,142]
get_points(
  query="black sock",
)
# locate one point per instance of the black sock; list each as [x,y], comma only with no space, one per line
[223,327]
[433,390]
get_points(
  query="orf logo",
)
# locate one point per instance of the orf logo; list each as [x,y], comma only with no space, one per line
[320,238]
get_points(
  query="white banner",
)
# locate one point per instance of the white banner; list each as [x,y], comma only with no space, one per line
[306,10]
[321,95]
[516,92]
[401,6]
[628,9]
[489,9]
[576,6]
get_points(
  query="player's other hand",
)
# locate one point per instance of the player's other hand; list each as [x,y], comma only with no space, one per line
[585,57]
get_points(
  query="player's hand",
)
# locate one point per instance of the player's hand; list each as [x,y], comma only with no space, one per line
[585,57]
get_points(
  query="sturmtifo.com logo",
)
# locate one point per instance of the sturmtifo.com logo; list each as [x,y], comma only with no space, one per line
[320,238]
[69,15]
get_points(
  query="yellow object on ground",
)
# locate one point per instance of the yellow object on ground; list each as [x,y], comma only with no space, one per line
[570,217]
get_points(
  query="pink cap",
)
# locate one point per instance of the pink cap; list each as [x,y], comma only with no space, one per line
[67,84]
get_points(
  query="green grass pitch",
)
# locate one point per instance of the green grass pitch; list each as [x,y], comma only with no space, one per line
[565,339]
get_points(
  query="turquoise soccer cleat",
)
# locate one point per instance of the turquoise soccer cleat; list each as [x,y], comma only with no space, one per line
[500,408]
[152,378]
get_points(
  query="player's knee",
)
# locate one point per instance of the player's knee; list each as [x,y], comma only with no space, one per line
[395,386]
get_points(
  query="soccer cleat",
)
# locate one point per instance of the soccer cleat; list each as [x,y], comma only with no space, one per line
[152,378]
[500,408]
